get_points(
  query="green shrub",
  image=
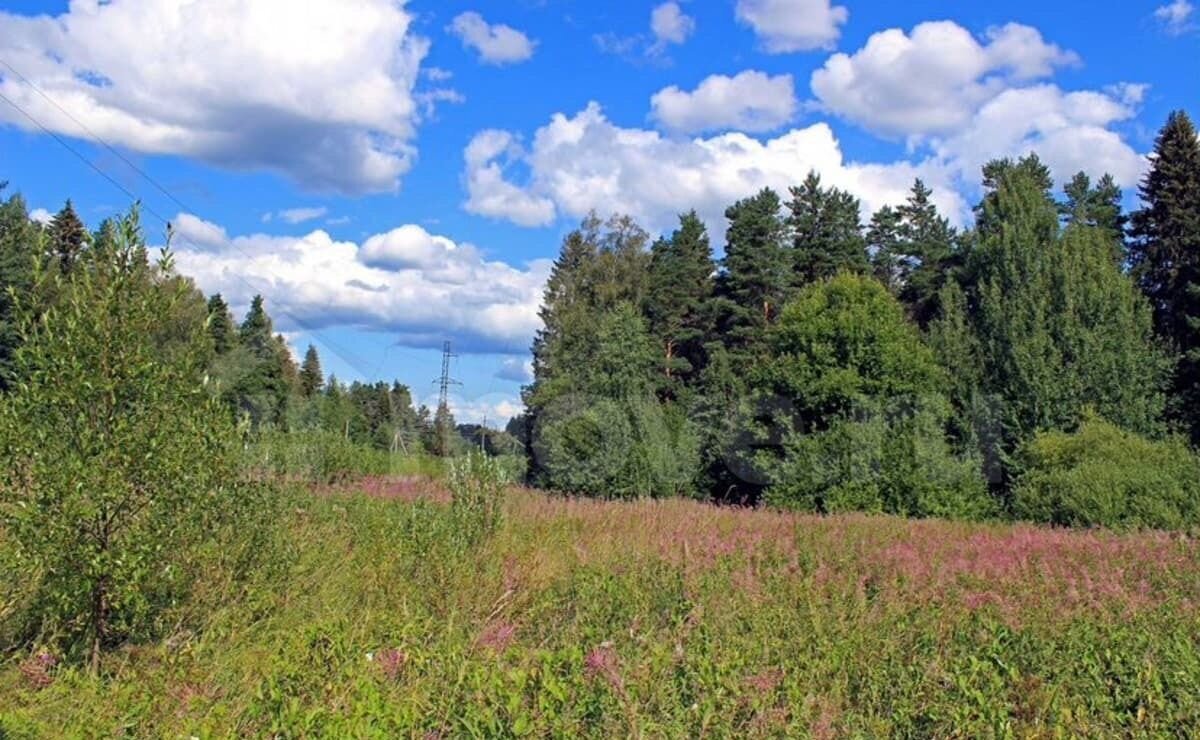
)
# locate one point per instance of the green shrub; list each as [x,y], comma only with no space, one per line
[477,484]
[899,465]
[627,448]
[864,420]
[316,456]
[119,466]
[1104,476]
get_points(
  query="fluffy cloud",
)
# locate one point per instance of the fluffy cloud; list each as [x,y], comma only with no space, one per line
[584,162]
[793,25]
[324,96]
[489,193]
[41,215]
[750,101]
[1069,131]
[407,282]
[1175,17]
[496,44]
[932,80]
[670,25]
[977,100]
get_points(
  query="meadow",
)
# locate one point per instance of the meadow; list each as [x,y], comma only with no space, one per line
[384,612]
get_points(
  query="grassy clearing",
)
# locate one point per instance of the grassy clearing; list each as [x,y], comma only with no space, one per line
[656,619]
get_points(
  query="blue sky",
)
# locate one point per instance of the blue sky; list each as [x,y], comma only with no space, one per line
[389,174]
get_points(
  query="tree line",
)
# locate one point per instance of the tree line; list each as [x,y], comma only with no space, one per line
[250,366]
[900,365]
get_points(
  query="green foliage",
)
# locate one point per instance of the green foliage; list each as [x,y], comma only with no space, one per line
[68,238]
[1104,476]
[20,252]
[118,463]
[477,484]
[311,377]
[756,273]
[826,232]
[864,418]
[1057,326]
[1165,256]
[677,302]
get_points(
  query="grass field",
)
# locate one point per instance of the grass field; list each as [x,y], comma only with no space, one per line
[656,619]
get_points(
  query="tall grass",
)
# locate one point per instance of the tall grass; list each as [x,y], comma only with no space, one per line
[584,618]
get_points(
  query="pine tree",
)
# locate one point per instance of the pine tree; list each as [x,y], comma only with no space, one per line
[311,377]
[220,324]
[677,300]
[884,245]
[1165,256]
[826,232]
[19,244]
[929,253]
[756,275]
[68,237]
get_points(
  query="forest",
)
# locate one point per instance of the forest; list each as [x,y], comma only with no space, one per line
[811,477]
[1042,364]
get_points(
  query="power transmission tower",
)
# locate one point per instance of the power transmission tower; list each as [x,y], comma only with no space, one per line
[442,418]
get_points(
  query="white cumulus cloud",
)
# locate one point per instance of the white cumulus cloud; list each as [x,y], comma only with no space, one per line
[1175,17]
[670,25]
[324,96]
[495,43]
[932,80]
[416,286]
[784,26]
[583,162]
[749,101]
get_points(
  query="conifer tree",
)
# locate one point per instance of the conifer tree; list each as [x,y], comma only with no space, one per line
[929,253]
[19,245]
[884,245]
[220,324]
[311,377]
[68,237]
[677,300]
[1165,256]
[1059,327]
[756,274]
[826,232]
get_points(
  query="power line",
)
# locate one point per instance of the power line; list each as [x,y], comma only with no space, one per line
[340,352]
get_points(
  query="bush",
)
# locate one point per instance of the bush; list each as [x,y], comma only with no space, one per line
[617,449]
[476,484]
[119,466]
[315,456]
[865,421]
[1104,476]
[896,465]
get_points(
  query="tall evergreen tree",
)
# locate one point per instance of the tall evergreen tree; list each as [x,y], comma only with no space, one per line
[1165,255]
[929,253]
[220,324]
[1098,206]
[756,274]
[886,248]
[826,231]
[19,245]
[311,377]
[677,300]
[68,237]
[1059,327]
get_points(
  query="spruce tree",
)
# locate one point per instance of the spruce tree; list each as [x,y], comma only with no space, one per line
[756,274]
[929,253]
[68,237]
[677,299]
[884,245]
[826,232]
[220,324]
[19,245]
[1165,256]
[311,377]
